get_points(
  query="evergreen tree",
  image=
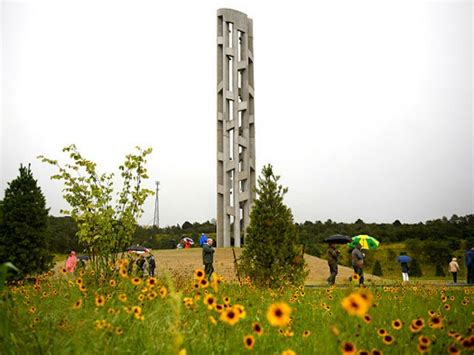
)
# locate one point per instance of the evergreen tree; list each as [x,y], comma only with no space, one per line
[415,269]
[439,270]
[377,270]
[272,255]
[24,230]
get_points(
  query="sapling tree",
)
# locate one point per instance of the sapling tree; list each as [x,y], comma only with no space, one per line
[106,219]
[272,255]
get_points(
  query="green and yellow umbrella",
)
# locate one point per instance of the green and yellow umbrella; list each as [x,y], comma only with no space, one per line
[365,241]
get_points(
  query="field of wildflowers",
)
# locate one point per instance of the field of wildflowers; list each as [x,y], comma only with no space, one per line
[121,313]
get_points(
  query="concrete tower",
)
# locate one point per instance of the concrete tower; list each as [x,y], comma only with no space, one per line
[235,126]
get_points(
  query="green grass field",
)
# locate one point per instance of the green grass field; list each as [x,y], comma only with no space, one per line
[77,314]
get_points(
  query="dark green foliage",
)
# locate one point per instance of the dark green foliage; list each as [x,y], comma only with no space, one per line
[63,235]
[377,270]
[415,269]
[272,254]
[24,232]
[440,270]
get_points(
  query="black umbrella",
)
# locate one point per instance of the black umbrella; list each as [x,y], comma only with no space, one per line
[338,239]
[82,257]
[138,249]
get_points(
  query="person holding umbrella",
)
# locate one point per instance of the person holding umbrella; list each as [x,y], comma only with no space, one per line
[333,255]
[358,262]
[404,259]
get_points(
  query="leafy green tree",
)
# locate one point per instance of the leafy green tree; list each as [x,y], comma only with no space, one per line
[439,270]
[272,255]
[106,221]
[24,232]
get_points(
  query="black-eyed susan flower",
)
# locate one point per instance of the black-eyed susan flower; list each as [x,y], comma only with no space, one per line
[249,342]
[355,304]
[397,324]
[199,274]
[436,322]
[203,283]
[257,328]
[32,310]
[226,300]
[141,297]
[367,318]
[381,332]
[118,331]
[468,343]
[83,288]
[99,300]
[79,281]
[376,352]
[388,339]
[306,333]
[453,350]
[112,283]
[447,306]
[210,301]
[423,339]
[278,314]
[230,316]
[422,348]
[151,282]
[123,273]
[288,352]
[163,292]
[348,348]
[78,304]
[136,281]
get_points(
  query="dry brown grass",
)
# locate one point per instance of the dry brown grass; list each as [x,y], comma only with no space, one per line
[185,261]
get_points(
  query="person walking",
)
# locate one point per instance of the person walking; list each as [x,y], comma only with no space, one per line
[358,263]
[333,255]
[141,265]
[469,256]
[453,268]
[404,259]
[71,262]
[208,258]
[151,265]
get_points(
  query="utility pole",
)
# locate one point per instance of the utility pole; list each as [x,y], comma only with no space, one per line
[156,217]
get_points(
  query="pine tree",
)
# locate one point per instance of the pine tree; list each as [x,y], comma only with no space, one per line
[377,270]
[415,269]
[272,255]
[24,230]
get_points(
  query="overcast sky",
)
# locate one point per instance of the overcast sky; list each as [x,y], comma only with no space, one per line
[363,108]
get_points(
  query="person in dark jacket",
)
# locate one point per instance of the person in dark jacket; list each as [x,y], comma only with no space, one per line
[208,257]
[151,265]
[332,254]
[470,265]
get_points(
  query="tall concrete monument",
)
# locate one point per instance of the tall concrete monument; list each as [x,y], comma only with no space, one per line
[235,126]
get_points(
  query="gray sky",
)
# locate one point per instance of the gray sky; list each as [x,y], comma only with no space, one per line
[364,108]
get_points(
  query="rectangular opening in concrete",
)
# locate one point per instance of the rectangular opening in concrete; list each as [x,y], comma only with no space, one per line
[251,73]
[231,174]
[230,109]
[240,119]
[240,38]
[230,30]
[231,144]
[230,72]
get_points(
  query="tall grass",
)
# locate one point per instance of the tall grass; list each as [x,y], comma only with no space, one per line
[128,315]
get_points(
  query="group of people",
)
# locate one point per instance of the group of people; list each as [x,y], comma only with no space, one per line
[358,258]
[144,264]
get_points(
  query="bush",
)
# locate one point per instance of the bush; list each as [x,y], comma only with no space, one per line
[377,270]
[415,269]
